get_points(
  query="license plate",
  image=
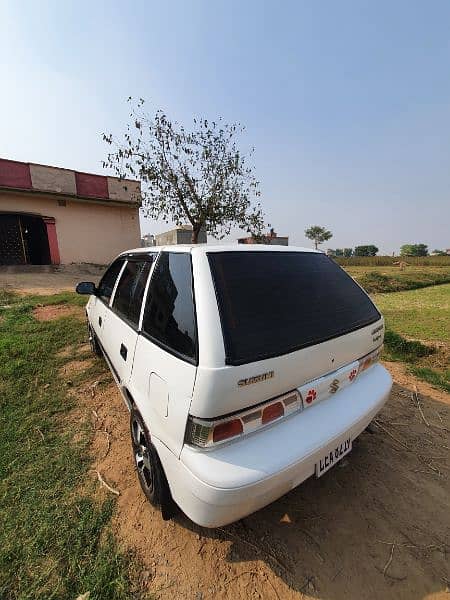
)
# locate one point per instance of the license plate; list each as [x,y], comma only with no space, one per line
[330,458]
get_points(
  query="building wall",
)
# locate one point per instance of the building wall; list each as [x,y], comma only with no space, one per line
[167,238]
[278,241]
[43,178]
[88,232]
[179,235]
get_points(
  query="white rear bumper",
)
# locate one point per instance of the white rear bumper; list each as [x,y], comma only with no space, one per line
[223,485]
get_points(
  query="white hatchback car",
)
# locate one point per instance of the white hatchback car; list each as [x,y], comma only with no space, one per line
[246,369]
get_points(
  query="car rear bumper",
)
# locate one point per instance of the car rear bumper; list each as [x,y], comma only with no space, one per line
[223,485]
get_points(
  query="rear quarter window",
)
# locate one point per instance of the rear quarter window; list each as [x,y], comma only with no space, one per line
[169,317]
[273,303]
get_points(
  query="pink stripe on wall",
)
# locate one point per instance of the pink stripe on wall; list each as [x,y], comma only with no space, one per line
[93,186]
[15,174]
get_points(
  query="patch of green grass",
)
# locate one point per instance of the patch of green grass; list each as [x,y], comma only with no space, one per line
[6,296]
[55,540]
[414,319]
[433,377]
[396,281]
[396,347]
[419,314]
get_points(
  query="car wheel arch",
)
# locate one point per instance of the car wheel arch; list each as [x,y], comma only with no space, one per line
[165,500]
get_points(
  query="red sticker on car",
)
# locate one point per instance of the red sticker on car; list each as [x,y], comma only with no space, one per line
[311,396]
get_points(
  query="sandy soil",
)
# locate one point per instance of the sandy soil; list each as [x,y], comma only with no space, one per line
[375,527]
[39,282]
[56,311]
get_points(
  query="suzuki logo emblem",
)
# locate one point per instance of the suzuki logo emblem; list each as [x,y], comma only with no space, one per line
[334,386]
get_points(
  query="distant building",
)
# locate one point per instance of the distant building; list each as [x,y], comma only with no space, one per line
[148,240]
[50,215]
[179,235]
[270,238]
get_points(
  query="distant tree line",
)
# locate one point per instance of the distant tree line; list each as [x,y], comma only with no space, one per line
[319,235]
[372,250]
[346,252]
[414,250]
[369,250]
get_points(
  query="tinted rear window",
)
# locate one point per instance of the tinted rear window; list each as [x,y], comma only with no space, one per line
[169,316]
[272,303]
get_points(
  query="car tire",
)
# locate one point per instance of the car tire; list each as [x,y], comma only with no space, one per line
[93,342]
[148,466]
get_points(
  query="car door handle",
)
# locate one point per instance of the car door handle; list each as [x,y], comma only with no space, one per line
[123,352]
[99,321]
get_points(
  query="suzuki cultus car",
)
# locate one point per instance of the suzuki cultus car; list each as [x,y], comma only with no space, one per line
[246,370]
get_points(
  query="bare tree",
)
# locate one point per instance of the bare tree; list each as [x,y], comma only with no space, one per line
[198,175]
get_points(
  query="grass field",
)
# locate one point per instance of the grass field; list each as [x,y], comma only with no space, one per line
[380,261]
[376,279]
[55,539]
[422,315]
[415,302]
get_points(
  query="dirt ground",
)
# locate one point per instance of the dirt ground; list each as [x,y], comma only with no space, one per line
[51,312]
[43,281]
[375,527]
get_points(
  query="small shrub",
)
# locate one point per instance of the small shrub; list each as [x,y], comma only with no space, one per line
[399,348]
[375,282]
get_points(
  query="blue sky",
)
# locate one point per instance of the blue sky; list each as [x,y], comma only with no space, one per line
[346,103]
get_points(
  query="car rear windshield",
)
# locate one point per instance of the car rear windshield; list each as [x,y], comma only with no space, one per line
[272,303]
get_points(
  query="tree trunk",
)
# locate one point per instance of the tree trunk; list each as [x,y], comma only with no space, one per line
[195,231]
[315,243]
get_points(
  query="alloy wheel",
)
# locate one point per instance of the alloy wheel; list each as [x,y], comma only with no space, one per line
[142,455]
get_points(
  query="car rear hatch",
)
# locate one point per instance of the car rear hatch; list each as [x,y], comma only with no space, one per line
[290,321]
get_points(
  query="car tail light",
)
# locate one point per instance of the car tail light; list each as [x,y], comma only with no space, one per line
[227,430]
[272,412]
[207,433]
[367,361]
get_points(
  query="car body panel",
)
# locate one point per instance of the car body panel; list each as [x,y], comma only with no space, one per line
[219,485]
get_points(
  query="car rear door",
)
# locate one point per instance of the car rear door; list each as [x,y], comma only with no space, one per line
[166,356]
[120,334]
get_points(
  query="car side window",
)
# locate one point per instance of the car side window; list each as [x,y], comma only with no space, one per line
[169,316]
[130,290]
[108,281]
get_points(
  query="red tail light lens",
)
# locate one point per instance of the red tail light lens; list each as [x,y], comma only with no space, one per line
[272,412]
[207,433]
[227,430]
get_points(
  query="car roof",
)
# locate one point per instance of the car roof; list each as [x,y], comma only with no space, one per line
[203,248]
